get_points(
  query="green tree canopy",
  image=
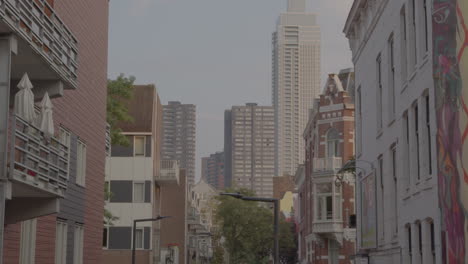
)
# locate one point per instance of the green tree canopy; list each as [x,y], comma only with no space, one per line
[247,228]
[119,91]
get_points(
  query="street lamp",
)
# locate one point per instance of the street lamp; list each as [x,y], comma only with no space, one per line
[276,217]
[134,231]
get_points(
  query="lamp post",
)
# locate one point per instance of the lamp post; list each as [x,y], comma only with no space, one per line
[134,231]
[276,218]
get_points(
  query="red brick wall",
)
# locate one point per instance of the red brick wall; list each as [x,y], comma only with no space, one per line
[83,111]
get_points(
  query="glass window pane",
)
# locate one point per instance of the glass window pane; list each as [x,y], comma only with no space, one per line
[139,193]
[139,146]
[139,238]
[329,208]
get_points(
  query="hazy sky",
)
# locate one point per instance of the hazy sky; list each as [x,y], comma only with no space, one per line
[212,53]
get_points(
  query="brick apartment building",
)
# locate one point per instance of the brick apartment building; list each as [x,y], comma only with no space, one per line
[53,186]
[327,198]
[132,174]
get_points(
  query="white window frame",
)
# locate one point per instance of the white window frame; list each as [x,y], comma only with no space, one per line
[144,146]
[65,139]
[335,196]
[142,238]
[143,192]
[81,163]
[61,242]
[28,242]
[78,245]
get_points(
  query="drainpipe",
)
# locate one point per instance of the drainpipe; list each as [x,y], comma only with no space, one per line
[6,49]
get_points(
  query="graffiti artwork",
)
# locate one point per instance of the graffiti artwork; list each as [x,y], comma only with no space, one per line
[368,213]
[450,39]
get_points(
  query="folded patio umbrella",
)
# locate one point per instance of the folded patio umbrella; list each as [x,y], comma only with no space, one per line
[45,120]
[24,100]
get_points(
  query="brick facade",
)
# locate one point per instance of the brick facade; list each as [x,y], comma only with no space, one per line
[83,112]
[333,111]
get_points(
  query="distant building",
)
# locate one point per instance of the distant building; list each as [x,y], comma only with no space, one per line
[213,170]
[132,176]
[179,136]
[249,148]
[327,197]
[296,82]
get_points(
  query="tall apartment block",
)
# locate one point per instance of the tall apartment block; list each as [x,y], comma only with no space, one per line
[179,136]
[251,147]
[326,195]
[410,62]
[296,82]
[132,177]
[213,170]
[52,176]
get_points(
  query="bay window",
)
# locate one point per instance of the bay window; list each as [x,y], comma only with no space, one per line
[328,202]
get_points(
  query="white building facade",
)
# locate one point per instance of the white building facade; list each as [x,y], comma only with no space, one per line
[398,217]
[295,81]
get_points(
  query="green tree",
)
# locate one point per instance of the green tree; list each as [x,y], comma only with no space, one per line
[119,91]
[108,217]
[248,230]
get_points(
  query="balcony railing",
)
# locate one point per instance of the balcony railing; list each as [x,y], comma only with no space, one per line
[36,162]
[168,171]
[327,164]
[324,227]
[37,23]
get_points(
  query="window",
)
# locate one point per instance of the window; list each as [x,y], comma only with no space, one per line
[81,164]
[395,189]
[382,198]
[359,122]
[403,47]
[416,139]
[326,196]
[105,237]
[138,192]
[406,147]
[379,93]
[139,238]
[428,131]
[61,242]
[334,251]
[426,28]
[433,253]
[78,245]
[391,85]
[413,33]
[420,244]
[333,143]
[65,139]
[28,242]
[410,245]
[139,146]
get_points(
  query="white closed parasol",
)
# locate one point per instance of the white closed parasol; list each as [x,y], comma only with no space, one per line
[45,120]
[24,100]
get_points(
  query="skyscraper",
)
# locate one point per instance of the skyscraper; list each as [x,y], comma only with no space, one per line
[213,170]
[296,82]
[250,140]
[179,131]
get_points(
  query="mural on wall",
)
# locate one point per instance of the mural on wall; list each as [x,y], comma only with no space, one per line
[450,40]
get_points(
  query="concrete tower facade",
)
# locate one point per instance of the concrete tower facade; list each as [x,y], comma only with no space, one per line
[179,132]
[251,147]
[296,82]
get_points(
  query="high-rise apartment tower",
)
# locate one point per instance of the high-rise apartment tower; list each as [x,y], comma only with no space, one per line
[179,130]
[296,82]
[250,140]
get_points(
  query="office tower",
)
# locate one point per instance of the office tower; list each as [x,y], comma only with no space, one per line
[213,170]
[296,82]
[251,146]
[179,129]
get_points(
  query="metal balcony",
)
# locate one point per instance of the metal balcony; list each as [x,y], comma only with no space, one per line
[327,227]
[43,40]
[38,167]
[168,172]
[327,164]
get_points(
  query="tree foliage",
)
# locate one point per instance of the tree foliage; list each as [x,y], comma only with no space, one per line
[109,218]
[247,228]
[119,91]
